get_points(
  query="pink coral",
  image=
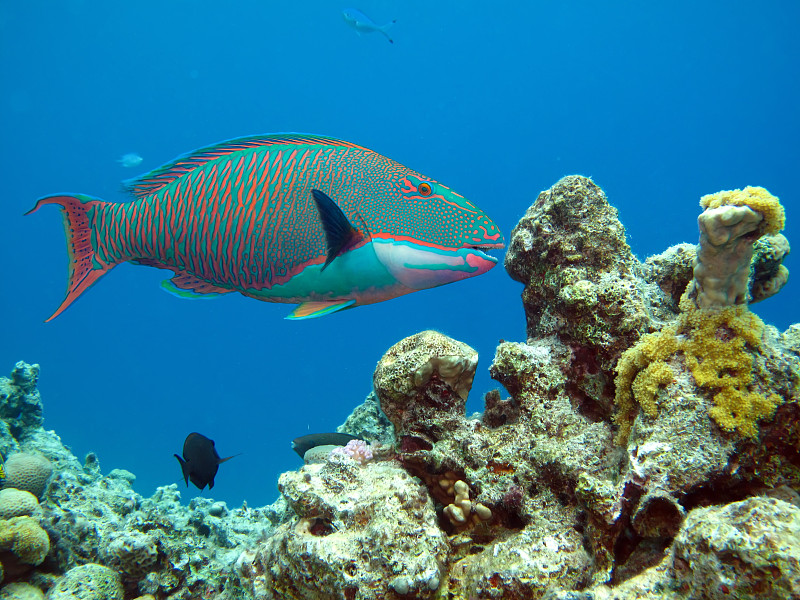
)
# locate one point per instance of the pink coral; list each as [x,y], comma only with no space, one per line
[358,450]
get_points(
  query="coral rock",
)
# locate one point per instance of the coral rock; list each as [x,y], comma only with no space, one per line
[769,274]
[132,553]
[20,591]
[747,549]
[364,532]
[87,582]
[20,402]
[424,376]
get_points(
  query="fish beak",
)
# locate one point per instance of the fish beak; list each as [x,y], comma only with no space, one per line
[483,250]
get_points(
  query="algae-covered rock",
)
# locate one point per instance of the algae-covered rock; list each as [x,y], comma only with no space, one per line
[87,582]
[423,377]
[20,591]
[749,550]
[363,532]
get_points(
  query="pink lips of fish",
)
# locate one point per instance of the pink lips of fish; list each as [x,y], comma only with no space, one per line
[292,218]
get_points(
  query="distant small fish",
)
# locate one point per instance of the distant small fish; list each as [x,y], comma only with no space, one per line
[130,160]
[2,469]
[363,24]
[304,443]
[200,461]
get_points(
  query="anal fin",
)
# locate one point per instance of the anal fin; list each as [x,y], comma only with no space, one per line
[186,285]
[311,310]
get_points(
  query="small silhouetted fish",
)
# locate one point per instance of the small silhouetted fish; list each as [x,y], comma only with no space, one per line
[304,443]
[200,460]
[130,160]
[363,24]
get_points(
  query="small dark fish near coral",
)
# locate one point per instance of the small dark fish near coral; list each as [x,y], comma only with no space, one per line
[304,443]
[363,24]
[200,460]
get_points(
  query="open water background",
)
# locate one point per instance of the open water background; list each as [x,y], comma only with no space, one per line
[660,102]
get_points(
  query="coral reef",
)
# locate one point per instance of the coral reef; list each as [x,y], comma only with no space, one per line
[648,447]
[152,545]
[357,531]
[87,582]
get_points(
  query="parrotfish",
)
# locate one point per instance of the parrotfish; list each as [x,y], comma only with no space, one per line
[292,218]
[363,24]
[200,461]
[304,443]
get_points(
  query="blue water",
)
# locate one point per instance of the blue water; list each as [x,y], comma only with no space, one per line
[659,102]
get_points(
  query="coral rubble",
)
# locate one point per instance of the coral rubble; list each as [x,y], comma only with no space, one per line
[648,447]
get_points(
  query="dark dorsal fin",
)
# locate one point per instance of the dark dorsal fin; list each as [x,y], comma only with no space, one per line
[227,458]
[153,181]
[340,235]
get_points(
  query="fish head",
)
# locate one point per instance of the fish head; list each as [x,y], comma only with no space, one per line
[429,235]
[350,15]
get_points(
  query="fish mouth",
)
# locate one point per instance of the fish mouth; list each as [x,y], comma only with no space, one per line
[483,250]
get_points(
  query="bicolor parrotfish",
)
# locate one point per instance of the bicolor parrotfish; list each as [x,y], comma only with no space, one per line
[304,443]
[200,460]
[292,218]
[363,24]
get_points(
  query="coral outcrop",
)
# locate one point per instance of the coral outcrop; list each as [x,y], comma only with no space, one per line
[356,531]
[648,447]
[87,582]
[731,223]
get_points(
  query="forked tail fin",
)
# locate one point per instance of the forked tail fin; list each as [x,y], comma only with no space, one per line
[84,267]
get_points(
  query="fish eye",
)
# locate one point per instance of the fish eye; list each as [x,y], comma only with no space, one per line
[424,189]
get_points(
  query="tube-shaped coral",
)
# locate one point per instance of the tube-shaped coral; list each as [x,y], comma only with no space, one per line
[729,226]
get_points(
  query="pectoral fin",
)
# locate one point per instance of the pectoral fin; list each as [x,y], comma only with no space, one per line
[340,235]
[311,310]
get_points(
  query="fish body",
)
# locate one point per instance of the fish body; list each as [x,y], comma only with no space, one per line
[200,461]
[130,160]
[363,24]
[304,443]
[292,218]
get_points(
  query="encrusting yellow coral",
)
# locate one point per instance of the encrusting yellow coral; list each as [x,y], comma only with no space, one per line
[718,347]
[756,198]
